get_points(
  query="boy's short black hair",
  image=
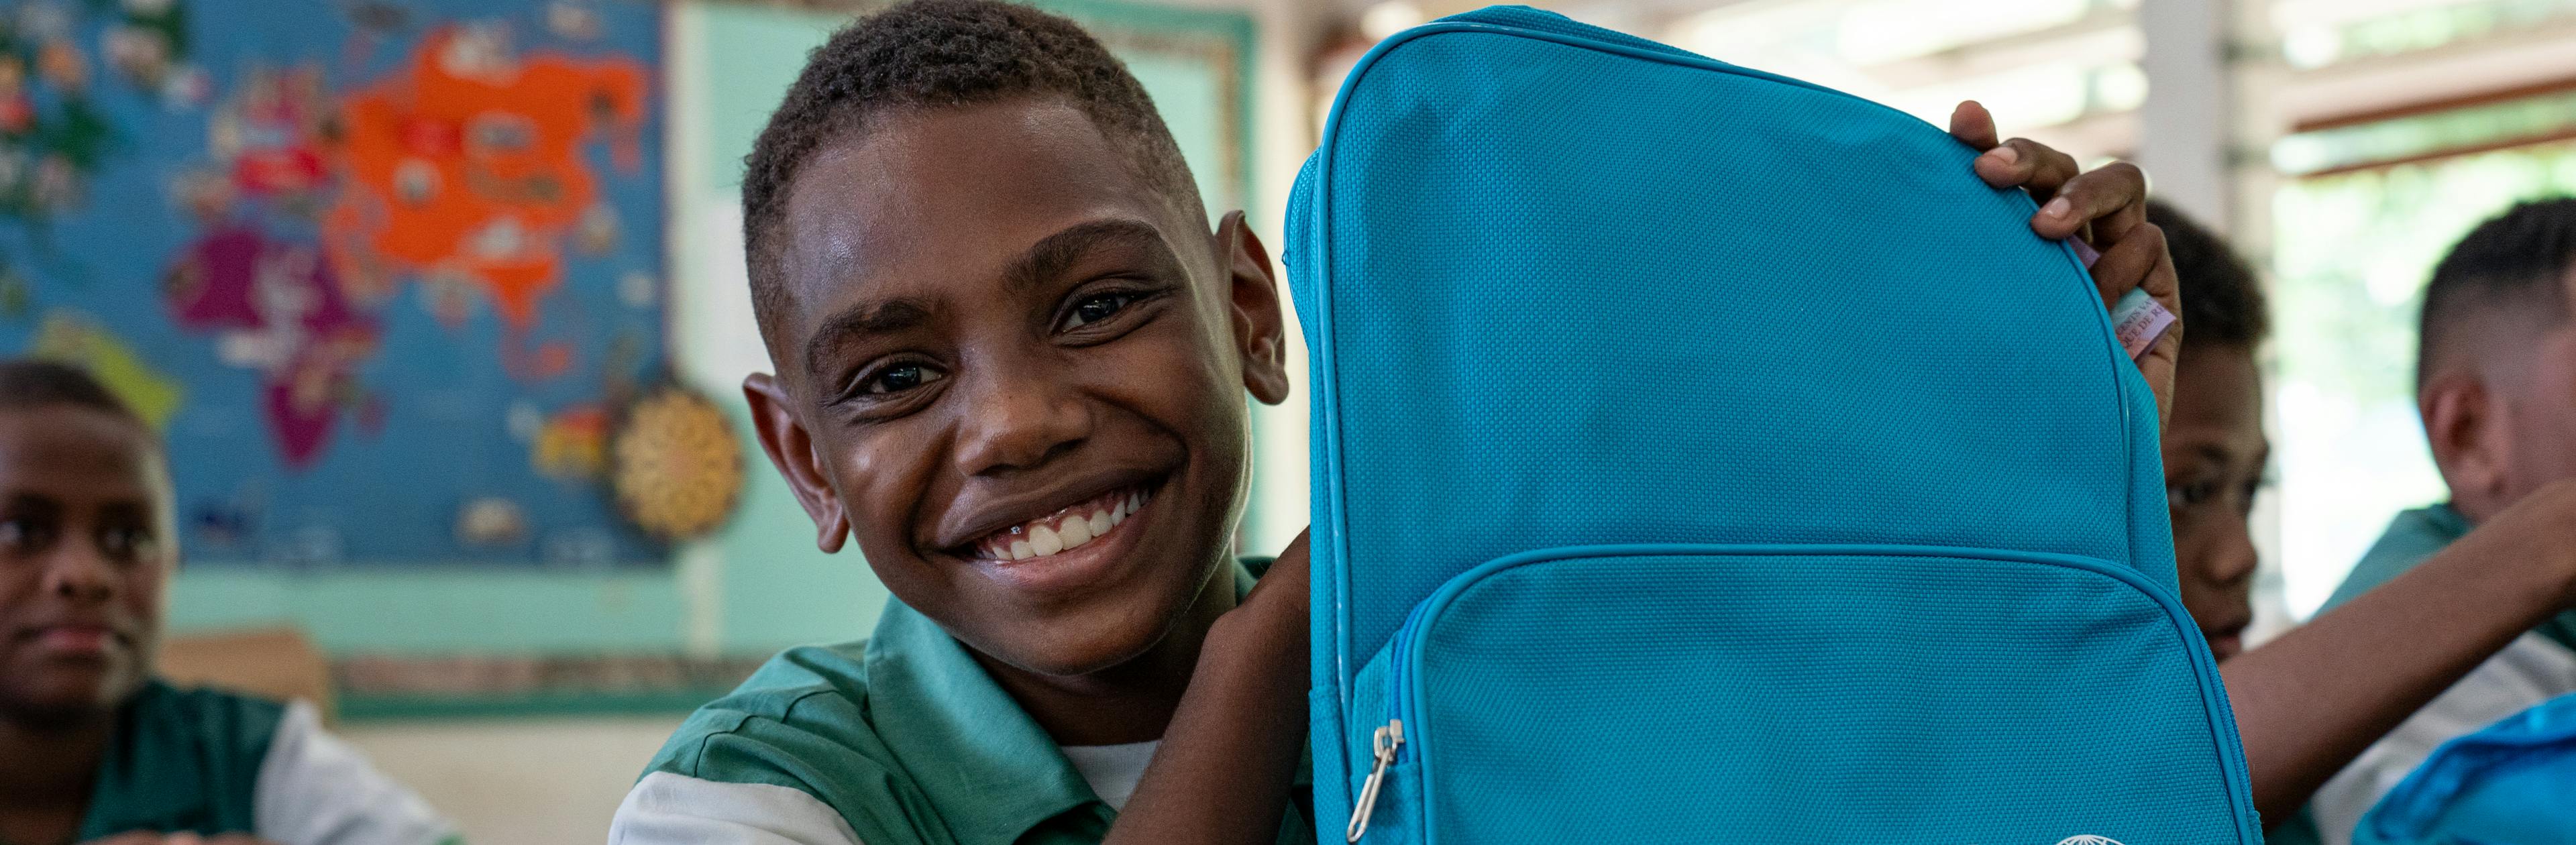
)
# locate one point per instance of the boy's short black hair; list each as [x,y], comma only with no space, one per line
[2514,262]
[27,384]
[2222,299]
[943,53]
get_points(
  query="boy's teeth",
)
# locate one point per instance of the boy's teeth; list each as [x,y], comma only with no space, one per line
[1070,528]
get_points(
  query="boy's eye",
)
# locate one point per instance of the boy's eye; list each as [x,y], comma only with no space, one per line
[123,543]
[898,378]
[2190,495]
[20,535]
[1096,308]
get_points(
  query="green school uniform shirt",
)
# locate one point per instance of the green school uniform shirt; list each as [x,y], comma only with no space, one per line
[898,739]
[2521,675]
[182,761]
[210,762]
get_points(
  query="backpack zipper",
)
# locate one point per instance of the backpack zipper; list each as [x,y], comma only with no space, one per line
[1387,742]
[1388,739]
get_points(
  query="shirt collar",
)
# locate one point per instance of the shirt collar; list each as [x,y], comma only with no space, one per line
[970,748]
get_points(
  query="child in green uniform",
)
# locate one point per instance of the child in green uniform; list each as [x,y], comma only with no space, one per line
[92,748]
[1011,365]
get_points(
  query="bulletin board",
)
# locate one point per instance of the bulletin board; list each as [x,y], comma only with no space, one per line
[380,273]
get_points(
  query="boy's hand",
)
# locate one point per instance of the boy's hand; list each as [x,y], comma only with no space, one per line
[2107,208]
[1229,758]
[1281,593]
[2535,529]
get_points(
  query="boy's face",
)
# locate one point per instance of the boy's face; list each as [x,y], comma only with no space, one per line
[1015,373]
[2214,452]
[2541,408]
[85,549]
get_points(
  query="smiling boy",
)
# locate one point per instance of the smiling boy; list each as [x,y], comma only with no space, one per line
[1011,364]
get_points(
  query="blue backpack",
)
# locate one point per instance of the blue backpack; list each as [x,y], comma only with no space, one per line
[2510,783]
[1703,456]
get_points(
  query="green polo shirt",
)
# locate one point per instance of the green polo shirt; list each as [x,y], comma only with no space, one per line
[904,737]
[182,761]
[211,762]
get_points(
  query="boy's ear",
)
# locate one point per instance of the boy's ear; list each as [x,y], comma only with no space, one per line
[2469,439]
[791,450]
[1254,295]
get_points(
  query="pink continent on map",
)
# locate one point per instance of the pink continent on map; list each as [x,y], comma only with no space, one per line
[279,309]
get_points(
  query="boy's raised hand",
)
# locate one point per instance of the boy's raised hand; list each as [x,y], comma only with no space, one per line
[1282,591]
[2107,208]
[1229,758]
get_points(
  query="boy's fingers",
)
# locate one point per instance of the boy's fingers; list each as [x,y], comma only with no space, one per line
[1296,554]
[2158,366]
[1284,583]
[2111,200]
[2029,165]
[1973,125]
[2138,261]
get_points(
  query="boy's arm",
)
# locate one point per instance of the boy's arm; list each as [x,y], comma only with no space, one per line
[1229,758]
[2314,699]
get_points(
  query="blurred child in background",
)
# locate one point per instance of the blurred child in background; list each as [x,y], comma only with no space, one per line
[2496,383]
[92,747]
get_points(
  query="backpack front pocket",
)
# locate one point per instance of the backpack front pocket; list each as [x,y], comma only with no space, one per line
[1799,694]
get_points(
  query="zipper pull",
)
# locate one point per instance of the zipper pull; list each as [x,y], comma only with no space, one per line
[1386,740]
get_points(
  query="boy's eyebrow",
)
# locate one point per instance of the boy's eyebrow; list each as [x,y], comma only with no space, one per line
[1054,254]
[873,317]
[24,502]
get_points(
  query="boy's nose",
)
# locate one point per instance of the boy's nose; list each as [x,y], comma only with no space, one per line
[1017,424]
[2236,558]
[79,574]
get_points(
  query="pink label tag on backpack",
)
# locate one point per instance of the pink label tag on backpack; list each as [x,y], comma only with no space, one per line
[2139,321]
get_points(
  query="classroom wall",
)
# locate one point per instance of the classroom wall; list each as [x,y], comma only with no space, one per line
[759,584]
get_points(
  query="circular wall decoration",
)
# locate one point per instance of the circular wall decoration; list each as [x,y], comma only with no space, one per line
[675,465]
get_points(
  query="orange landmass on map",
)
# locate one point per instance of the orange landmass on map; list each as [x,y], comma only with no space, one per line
[469,164]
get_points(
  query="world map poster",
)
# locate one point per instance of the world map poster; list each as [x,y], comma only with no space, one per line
[380,273]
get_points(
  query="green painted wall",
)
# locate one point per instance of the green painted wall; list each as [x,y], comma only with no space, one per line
[760,584]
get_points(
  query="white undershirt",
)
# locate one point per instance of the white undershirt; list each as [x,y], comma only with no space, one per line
[1112,770]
